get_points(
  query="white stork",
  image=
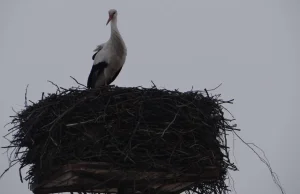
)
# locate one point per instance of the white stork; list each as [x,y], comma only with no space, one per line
[109,57]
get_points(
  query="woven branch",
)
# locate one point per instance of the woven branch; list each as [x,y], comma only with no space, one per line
[131,128]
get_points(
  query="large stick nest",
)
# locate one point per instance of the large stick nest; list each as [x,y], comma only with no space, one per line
[130,128]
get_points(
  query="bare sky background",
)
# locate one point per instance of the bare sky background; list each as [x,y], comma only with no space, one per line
[251,47]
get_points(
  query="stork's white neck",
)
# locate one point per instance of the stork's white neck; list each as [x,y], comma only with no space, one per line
[116,38]
[114,28]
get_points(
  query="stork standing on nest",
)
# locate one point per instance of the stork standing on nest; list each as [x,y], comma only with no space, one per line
[109,57]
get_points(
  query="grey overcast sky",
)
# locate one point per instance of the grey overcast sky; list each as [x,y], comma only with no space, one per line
[251,47]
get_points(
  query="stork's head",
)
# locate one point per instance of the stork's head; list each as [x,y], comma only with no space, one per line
[112,15]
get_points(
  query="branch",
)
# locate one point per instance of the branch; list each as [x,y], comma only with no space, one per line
[78,82]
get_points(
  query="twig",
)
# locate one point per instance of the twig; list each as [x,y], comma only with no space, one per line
[153,84]
[10,166]
[54,85]
[265,161]
[80,123]
[78,82]
[215,87]
[170,124]
[26,95]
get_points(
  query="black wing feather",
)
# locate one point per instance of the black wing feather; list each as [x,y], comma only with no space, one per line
[95,72]
[114,77]
[94,55]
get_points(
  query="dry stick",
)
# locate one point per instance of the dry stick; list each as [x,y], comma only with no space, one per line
[31,101]
[10,166]
[215,87]
[228,112]
[54,85]
[78,82]
[170,124]
[20,172]
[233,148]
[231,179]
[153,84]
[26,95]
[266,162]
[80,123]
[206,92]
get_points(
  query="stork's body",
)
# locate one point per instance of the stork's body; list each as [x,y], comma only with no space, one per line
[109,57]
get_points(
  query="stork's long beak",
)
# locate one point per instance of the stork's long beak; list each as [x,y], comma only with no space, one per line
[109,19]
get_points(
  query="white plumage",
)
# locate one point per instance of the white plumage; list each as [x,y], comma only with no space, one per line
[109,57]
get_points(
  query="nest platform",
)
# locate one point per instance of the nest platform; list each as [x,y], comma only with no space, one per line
[124,140]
